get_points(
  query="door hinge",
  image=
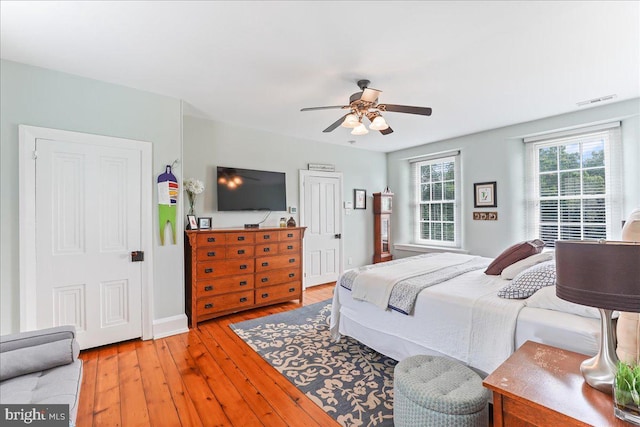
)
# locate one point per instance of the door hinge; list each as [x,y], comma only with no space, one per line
[34,155]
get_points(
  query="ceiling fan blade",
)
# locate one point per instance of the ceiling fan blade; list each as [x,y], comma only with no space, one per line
[370,95]
[335,124]
[423,111]
[387,131]
[331,107]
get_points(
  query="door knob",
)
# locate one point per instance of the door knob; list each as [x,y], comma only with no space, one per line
[137,256]
[338,236]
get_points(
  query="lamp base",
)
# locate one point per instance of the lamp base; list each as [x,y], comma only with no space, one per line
[600,370]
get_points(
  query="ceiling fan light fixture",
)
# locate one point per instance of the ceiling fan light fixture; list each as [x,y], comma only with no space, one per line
[351,121]
[360,130]
[379,123]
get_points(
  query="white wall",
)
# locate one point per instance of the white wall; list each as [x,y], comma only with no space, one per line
[208,144]
[498,155]
[39,97]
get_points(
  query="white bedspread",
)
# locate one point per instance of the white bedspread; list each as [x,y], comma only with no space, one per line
[461,318]
[375,285]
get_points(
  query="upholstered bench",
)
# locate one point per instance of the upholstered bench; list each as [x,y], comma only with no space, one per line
[436,391]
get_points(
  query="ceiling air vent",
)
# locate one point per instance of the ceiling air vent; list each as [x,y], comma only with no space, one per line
[596,100]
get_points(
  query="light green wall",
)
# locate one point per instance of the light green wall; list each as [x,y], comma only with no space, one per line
[39,97]
[498,155]
[208,144]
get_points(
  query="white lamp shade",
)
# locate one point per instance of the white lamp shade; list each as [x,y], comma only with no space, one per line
[360,130]
[379,123]
[351,121]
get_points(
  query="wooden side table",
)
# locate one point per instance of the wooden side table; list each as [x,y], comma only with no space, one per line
[540,385]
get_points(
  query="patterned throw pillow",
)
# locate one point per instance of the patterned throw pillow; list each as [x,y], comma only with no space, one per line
[529,281]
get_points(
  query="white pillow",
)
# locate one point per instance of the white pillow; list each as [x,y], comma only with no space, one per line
[517,267]
[546,298]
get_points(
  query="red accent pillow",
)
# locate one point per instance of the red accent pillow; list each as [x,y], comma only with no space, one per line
[513,254]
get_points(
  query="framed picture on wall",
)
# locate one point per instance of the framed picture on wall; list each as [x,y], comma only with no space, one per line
[484,195]
[359,199]
[193,224]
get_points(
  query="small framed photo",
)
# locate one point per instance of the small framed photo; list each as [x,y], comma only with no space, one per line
[204,223]
[359,199]
[193,224]
[484,195]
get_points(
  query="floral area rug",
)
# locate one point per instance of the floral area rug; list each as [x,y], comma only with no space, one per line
[348,380]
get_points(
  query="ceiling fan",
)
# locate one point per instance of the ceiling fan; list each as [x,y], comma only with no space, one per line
[364,104]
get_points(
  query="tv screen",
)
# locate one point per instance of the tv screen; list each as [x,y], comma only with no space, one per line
[251,190]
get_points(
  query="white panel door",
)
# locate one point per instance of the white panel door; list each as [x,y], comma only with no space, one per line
[87,225]
[320,213]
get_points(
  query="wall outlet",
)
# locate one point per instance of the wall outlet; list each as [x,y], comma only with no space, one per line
[349,260]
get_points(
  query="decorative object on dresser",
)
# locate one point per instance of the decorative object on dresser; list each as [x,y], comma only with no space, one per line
[230,270]
[204,223]
[605,275]
[540,385]
[382,209]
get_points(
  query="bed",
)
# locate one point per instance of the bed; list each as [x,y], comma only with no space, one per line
[459,315]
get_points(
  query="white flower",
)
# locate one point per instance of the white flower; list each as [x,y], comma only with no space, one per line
[193,186]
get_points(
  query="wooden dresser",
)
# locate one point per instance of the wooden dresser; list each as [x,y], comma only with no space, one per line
[230,270]
[540,385]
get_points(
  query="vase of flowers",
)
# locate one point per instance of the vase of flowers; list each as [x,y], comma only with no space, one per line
[626,392]
[193,187]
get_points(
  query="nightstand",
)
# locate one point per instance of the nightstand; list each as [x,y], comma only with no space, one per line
[540,385]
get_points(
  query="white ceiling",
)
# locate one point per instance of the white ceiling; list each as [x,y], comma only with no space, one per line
[479,64]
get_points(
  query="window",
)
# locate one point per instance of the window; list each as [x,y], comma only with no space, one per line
[575,189]
[436,196]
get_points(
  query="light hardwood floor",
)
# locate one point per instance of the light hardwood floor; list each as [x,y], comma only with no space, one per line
[206,377]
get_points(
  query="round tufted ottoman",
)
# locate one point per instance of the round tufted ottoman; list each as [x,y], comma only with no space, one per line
[436,391]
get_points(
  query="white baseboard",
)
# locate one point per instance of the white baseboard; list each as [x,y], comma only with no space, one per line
[168,326]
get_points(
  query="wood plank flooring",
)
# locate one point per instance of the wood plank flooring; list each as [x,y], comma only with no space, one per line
[206,377]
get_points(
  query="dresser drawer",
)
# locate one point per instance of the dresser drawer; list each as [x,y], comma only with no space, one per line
[288,247]
[286,291]
[224,285]
[267,236]
[232,301]
[289,235]
[210,253]
[275,277]
[278,261]
[267,249]
[210,239]
[240,251]
[206,270]
[240,238]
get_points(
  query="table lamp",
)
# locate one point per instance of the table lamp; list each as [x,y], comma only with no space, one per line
[604,275]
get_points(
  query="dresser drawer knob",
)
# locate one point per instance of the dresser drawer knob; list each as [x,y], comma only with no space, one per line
[240,251]
[243,267]
[240,238]
[264,279]
[211,239]
[208,270]
[243,283]
[266,237]
[266,249]
[290,235]
[211,254]
[208,306]
[292,274]
[292,289]
[292,260]
[243,299]
[289,247]
[265,264]
[265,295]
[208,288]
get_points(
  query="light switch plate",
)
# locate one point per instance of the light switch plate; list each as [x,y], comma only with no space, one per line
[293,209]
[348,205]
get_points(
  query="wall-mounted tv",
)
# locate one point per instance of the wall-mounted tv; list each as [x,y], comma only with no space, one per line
[251,190]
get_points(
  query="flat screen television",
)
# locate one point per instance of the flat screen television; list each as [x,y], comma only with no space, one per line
[251,190]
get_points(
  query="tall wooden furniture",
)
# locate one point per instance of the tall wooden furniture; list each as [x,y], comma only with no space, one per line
[382,208]
[230,270]
[540,385]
